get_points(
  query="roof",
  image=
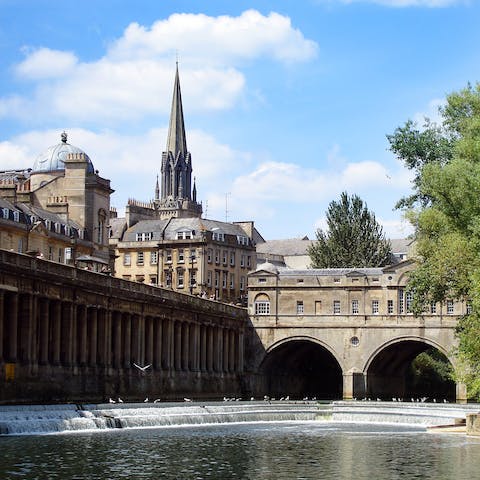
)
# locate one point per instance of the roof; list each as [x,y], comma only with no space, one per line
[166,229]
[53,158]
[288,247]
[400,245]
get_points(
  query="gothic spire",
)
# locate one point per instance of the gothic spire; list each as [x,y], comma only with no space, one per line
[176,141]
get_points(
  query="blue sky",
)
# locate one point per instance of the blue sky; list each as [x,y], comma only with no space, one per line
[287,103]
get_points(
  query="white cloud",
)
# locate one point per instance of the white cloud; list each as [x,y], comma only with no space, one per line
[135,76]
[224,39]
[45,63]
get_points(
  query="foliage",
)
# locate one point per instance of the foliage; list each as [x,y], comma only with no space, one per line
[445,211]
[354,237]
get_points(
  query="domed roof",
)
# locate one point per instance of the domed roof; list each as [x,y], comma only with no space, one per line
[54,157]
[268,267]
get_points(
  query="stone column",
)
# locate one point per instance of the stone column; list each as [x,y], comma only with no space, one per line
[66,341]
[461,393]
[127,340]
[117,339]
[101,337]
[56,322]
[43,331]
[240,352]
[82,335]
[354,385]
[231,359]
[177,354]
[210,349]
[108,337]
[219,348]
[149,340]
[24,328]
[92,329]
[157,343]
[203,348]
[225,348]
[185,346]
[166,344]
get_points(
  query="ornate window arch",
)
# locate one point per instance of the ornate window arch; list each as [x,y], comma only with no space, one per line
[262,304]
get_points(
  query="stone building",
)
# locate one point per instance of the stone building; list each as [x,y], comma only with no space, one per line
[166,241]
[58,209]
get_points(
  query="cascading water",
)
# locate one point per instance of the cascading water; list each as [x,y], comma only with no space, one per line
[68,418]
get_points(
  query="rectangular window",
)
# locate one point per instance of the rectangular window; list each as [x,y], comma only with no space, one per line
[232,281]
[469,307]
[153,279]
[249,261]
[168,278]
[242,260]
[408,301]
[60,255]
[262,308]
[16,218]
[217,256]
[433,307]
[220,237]
[242,283]
[209,278]
[217,279]
[139,258]
[390,307]
[336,307]
[20,245]
[193,255]
[232,259]
[209,255]
[193,278]
[224,280]
[180,279]
[5,213]
[153,257]
[181,256]
[168,256]
[224,257]
[127,259]
[400,301]
[299,307]
[242,240]
[449,307]
[374,307]
[355,307]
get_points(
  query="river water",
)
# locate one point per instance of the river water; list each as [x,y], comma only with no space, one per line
[287,450]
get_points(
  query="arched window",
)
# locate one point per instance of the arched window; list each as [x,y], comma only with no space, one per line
[262,304]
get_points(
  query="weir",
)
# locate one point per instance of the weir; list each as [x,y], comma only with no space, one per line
[48,419]
[38,419]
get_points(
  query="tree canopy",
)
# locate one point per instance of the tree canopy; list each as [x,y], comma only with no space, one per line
[354,238]
[445,210]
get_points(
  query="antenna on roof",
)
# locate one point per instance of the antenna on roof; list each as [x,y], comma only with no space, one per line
[226,206]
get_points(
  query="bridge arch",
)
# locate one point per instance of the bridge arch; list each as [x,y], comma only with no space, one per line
[388,370]
[301,366]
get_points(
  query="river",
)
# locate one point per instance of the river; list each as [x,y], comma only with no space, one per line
[273,450]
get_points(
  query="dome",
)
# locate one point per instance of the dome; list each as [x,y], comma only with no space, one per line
[54,157]
[268,267]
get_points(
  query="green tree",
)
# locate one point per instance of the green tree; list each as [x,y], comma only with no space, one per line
[353,239]
[445,211]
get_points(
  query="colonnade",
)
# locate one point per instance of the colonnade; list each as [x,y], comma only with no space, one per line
[37,330]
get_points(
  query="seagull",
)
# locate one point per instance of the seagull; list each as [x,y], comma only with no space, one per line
[146,400]
[120,400]
[110,400]
[187,399]
[156,400]
[142,368]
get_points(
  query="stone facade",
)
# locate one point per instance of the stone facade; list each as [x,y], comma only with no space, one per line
[68,335]
[354,321]
[166,242]
[59,209]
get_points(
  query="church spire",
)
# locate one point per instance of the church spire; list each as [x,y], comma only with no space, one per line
[177,140]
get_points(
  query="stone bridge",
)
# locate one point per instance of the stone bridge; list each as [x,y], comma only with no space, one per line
[344,333]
